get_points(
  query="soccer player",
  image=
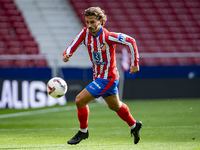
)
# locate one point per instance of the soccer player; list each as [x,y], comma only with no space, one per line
[101,44]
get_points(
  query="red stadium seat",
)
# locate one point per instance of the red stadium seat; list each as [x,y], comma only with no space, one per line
[30,44]
[20,31]
[157,26]
[9,6]
[5,25]
[13,12]
[32,50]
[24,63]
[3,51]
[6,63]
[167,61]
[185,61]
[2,44]
[25,37]
[19,25]
[6,1]
[16,50]
[14,43]
[15,37]
[149,61]
[196,60]
[40,63]
[5,31]
[13,19]
[4,18]
[9,37]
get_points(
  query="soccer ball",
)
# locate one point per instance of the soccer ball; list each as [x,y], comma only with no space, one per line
[56,87]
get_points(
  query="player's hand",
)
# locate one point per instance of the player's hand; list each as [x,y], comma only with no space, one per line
[134,69]
[66,57]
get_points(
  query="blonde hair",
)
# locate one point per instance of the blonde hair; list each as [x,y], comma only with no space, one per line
[98,12]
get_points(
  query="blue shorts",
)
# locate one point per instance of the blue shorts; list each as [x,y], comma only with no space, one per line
[103,87]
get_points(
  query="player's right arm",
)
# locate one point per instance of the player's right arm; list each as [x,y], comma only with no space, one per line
[66,57]
[74,45]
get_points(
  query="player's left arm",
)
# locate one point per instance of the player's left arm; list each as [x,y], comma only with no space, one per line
[120,38]
[134,69]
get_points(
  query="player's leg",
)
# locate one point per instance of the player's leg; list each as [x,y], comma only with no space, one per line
[82,99]
[123,112]
[122,109]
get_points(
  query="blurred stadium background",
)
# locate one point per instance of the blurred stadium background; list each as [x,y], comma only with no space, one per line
[35,33]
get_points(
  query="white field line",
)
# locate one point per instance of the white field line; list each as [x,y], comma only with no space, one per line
[43,111]
[35,112]
[39,129]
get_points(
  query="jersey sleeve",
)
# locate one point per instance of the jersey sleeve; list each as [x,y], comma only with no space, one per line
[120,38]
[75,43]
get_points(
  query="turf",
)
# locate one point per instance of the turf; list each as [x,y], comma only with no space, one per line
[168,124]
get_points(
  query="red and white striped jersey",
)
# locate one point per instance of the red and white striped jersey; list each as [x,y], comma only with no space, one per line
[101,49]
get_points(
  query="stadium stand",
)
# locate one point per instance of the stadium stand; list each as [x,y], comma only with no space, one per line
[16,38]
[47,27]
[158,26]
[54,24]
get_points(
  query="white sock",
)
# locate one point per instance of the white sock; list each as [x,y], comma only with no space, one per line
[83,130]
[133,126]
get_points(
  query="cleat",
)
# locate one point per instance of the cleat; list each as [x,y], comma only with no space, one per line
[135,131]
[78,138]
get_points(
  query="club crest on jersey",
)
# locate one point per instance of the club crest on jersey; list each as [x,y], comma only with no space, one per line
[103,46]
[121,38]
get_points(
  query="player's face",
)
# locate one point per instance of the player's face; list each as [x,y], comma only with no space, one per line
[93,24]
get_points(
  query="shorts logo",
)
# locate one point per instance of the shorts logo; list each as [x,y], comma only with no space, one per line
[92,87]
[97,84]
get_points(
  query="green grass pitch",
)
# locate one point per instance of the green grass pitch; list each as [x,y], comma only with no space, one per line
[172,124]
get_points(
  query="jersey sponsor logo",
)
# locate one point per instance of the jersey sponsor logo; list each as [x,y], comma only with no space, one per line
[121,38]
[96,56]
[97,59]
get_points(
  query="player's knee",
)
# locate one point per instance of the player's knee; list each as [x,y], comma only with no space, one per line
[114,107]
[79,102]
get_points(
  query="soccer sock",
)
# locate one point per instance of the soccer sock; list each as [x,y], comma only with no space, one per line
[124,114]
[83,115]
[133,126]
[83,130]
